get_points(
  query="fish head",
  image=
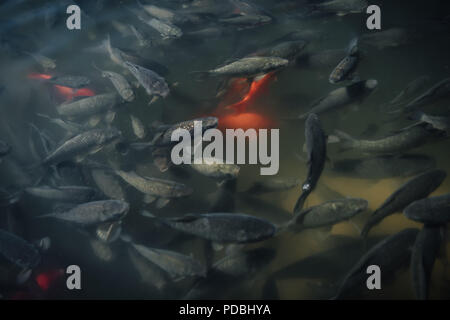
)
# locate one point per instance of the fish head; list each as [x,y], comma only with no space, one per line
[371,84]
[117,209]
[111,134]
[357,205]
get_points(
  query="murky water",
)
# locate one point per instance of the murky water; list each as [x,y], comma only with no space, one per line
[107,270]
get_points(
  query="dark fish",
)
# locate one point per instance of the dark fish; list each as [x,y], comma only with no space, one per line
[432,122]
[222,227]
[89,106]
[342,7]
[411,89]
[386,38]
[424,254]
[230,270]
[347,65]
[247,67]
[289,50]
[246,21]
[176,265]
[438,91]
[75,82]
[87,142]
[342,96]
[417,188]
[328,213]
[159,190]
[434,210]
[389,255]
[316,149]
[273,185]
[405,140]
[71,194]
[19,252]
[384,166]
[154,84]
[93,213]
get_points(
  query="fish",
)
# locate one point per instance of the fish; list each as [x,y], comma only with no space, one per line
[423,256]
[138,127]
[434,210]
[74,82]
[163,135]
[154,84]
[229,271]
[87,142]
[222,228]
[246,21]
[289,50]
[403,141]
[71,194]
[436,92]
[342,7]
[345,68]
[101,250]
[108,184]
[141,38]
[44,61]
[273,185]
[390,255]
[408,92]
[109,232]
[341,97]
[216,168]
[149,273]
[327,214]
[414,189]
[119,82]
[92,213]
[387,38]
[384,166]
[159,190]
[432,122]
[176,265]
[72,128]
[165,29]
[20,252]
[246,67]
[316,149]
[89,106]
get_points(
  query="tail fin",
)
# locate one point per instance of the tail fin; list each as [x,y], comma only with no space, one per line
[353,47]
[200,75]
[147,214]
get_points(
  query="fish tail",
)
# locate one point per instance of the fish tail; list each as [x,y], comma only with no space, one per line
[200,75]
[353,46]
[147,214]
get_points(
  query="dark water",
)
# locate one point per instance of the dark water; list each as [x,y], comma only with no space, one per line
[107,271]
